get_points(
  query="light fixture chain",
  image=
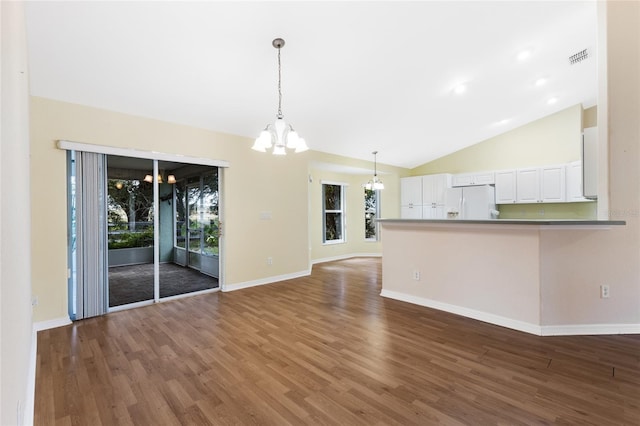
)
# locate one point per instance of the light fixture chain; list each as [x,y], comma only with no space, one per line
[279,86]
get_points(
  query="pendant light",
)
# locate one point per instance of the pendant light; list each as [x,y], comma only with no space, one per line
[279,135]
[375,183]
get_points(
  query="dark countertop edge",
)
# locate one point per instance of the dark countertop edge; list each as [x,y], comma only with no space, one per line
[546,222]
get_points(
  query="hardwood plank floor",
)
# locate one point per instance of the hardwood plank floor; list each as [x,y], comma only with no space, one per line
[326,349]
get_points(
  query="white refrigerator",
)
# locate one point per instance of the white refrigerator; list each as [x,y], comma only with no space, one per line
[471,202]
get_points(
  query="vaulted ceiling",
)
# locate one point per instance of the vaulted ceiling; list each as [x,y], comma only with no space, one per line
[356,76]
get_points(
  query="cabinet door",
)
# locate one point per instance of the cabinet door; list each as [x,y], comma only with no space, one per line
[528,185]
[552,184]
[573,175]
[465,179]
[434,188]
[411,212]
[487,178]
[471,179]
[433,212]
[505,187]
[411,191]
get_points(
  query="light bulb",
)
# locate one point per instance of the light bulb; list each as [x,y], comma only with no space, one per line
[302,145]
[292,139]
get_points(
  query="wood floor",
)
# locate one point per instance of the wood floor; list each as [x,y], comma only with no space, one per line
[326,349]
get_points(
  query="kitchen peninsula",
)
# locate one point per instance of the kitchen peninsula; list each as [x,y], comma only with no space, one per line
[495,271]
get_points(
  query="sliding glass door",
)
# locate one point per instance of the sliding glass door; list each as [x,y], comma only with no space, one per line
[160,227]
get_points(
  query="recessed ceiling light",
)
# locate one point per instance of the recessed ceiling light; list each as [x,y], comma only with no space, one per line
[524,54]
[460,89]
[503,121]
[552,101]
[541,81]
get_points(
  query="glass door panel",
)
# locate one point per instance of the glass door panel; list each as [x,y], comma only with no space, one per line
[191,233]
[130,216]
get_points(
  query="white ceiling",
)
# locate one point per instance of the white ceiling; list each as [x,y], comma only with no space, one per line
[356,76]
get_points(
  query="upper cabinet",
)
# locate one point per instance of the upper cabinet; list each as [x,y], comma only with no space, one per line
[471,179]
[552,184]
[528,185]
[541,184]
[434,187]
[411,191]
[573,174]
[505,186]
[547,184]
[422,197]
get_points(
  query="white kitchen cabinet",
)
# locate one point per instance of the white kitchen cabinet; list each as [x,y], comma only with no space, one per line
[411,212]
[411,191]
[434,187]
[552,184]
[528,185]
[433,195]
[541,185]
[573,179]
[422,197]
[505,186]
[433,211]
[471,179]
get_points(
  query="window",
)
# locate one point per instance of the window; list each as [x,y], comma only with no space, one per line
[371,213]
[333,213]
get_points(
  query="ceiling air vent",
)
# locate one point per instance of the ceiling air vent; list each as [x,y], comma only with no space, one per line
[578,57]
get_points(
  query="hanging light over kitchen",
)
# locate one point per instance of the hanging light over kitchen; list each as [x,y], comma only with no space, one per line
[375,183]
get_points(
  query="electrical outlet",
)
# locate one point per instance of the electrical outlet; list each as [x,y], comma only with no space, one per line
[269,260]
[604,291]
[416,275]
[34,301]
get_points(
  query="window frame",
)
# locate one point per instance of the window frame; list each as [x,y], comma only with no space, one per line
[341,211]
[376,236]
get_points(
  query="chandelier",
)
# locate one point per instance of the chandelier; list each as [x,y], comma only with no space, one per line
[279,135]
[375,183]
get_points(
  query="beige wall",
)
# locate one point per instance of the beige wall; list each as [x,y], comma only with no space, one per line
[17,361]
[551,140]
[254,183]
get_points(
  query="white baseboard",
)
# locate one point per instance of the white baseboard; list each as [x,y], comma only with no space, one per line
[54,323]
[589,329]
[547,330]
[266,280]
[345,256]
[466,312]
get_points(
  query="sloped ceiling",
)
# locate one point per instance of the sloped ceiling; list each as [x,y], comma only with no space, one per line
[356,76]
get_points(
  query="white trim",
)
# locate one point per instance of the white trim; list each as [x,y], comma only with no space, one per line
[30,400]
[466,312]
[267,280]
[53,323]
[589,329]
[344,256]
[149,155]
[333,182]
